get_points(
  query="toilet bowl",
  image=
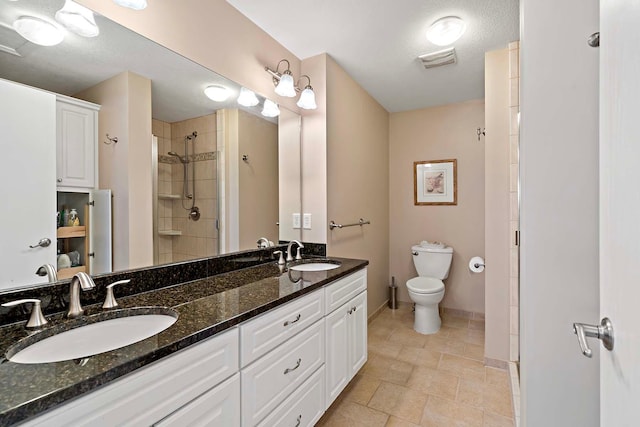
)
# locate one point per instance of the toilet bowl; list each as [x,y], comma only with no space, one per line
[426,293]
[432,262]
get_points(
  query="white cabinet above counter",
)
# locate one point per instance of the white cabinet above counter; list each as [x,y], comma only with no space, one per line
[76,144]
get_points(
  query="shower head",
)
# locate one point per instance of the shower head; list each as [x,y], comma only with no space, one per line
[174,154]
[192,136]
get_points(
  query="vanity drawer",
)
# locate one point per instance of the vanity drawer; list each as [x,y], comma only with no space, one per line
[272,378]
[344,289]
[261,335]
[152,392]
[303,408]
[219,406]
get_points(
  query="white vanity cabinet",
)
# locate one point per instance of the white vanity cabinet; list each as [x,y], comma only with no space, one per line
[156,393]
[346,332]
[76,143]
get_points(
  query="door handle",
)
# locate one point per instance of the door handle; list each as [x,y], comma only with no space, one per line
[43,243]
[603,331]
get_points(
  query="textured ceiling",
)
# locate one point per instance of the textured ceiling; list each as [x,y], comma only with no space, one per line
[378,41]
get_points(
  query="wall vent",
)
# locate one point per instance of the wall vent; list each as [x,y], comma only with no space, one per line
[439,58]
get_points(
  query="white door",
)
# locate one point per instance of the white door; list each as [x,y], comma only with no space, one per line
[27,182]
[620,210]
[100,235]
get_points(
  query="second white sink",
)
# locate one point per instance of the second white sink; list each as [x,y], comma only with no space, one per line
[314,266]
[95,338]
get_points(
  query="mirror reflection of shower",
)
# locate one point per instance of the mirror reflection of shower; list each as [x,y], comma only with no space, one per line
[188,182]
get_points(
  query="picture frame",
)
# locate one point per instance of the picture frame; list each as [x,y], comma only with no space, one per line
[435,182]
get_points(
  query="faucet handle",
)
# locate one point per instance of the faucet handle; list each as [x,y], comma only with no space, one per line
[299,253]
[110,300]
[281,260]
[36,320]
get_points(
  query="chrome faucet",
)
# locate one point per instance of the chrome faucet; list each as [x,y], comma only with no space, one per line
[298,255]
[263,242]
[79,280]
[49,271]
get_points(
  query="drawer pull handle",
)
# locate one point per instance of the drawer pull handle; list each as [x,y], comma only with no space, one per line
[354,308]
[299,419]
[291,322]
[286,371]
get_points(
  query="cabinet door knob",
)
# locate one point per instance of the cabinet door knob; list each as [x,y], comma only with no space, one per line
[59,180]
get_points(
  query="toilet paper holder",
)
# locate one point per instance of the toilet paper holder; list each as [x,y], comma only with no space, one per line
[478,265]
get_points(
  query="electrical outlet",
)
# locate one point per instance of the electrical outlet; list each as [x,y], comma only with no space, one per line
[306,221]
[296,220]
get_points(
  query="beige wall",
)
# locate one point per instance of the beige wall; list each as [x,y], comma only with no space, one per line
[497,196]
[258,139]
[446,132]
[290,173]
[125,167]
[358,177]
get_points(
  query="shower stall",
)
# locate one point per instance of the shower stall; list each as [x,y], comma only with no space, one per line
[185,182]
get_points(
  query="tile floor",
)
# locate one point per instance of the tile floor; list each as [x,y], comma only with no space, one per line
[424,380]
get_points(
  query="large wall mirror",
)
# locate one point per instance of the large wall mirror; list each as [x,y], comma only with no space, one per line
[188,177]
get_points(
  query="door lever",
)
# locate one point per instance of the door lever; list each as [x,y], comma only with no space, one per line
[603,332]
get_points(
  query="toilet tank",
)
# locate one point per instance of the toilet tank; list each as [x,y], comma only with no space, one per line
[432,260]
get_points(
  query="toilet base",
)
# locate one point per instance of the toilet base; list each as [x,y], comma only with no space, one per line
[427,319]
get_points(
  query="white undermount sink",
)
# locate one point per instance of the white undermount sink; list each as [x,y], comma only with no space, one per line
[95,338]
[314,266]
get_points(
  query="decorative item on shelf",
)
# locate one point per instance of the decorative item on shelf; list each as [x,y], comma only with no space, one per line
[73,218]
[285,86]
[112,140]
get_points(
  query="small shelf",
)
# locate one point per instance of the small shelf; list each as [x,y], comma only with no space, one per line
[67,273]
[170,233]
[169,196]
[69,232]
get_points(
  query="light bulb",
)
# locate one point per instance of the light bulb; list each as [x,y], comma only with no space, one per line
[77,19]
[446,30]
[307,99]
[247,98]
[285,86]
[38,31]
[270,109]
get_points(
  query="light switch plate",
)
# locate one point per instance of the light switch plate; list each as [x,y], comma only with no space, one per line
[306,221]
[296,220]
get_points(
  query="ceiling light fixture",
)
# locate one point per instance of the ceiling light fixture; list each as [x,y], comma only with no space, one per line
[270,109]
[247,98]
[77,19]
[446,30]
[285,87]
[38,31]
[132,4]
[217,93]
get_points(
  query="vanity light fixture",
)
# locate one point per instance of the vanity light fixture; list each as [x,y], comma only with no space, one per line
[447,30]
[270,109]
[247,98]
[77,19]
[38,31]
[285,86]
[132,4]
[217,93]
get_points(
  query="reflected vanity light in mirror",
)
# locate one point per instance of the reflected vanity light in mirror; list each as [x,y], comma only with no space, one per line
[38,31]
[446,30]
[77,19]
[247,98]
[132,4]
[270,109]
[217,93]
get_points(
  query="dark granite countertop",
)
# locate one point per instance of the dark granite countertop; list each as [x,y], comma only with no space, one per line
[206,307]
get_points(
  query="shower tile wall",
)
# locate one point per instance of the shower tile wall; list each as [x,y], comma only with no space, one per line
[199,238]
[162,131]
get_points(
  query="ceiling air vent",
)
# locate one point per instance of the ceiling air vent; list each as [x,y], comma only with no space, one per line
[439,58]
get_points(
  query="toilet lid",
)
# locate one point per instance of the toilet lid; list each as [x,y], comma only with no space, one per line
[425,285]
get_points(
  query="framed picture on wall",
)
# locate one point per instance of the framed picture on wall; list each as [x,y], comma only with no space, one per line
[435,182]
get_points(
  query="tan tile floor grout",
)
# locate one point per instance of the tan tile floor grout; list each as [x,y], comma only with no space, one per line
[424,380]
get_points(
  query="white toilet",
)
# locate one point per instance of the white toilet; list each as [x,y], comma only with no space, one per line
[432,261]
